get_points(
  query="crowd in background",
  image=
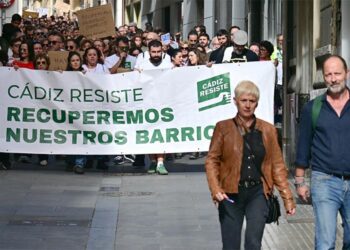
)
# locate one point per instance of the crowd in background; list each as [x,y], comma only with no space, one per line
[25,43]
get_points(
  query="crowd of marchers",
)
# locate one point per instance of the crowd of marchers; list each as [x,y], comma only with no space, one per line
[25,43]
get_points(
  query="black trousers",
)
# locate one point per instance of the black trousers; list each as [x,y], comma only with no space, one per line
[251,204]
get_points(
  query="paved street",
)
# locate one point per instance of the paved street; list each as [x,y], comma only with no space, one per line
[123,209]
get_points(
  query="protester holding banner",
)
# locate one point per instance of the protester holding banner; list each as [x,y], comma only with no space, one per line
[266,50]
[120,61]
[184,49]
[93,62]
[156,60]
[74,62]
[176,58]
[26,57]
[42,62]
[144,57]
[244,163]
[195,58]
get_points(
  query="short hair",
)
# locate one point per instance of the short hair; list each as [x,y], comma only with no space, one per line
[123,39]
[234,27]
[254,43]
[192,32]
[72,40]
[175,52]
[56,33]
[154,43]
[335,56]
[204,34]
[268,46]
[222,32]
[247,87]
[14,40]
[43,56]
[202,28]
[16,17]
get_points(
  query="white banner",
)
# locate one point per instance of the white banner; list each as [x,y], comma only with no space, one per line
[154,111]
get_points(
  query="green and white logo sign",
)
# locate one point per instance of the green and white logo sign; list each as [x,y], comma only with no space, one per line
[214,91]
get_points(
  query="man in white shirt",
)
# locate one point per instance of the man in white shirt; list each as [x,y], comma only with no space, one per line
[145,55]
[121,61]
[155,61]
[156,58]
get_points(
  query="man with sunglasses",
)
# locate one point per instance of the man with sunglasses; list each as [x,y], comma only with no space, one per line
[39,35]
[121,61]
[71,45]
[55,41]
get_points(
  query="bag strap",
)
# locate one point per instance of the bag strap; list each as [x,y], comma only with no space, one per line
[250,149]
[316,109]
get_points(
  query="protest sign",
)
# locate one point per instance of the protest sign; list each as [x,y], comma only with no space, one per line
[58,60]
[165,38]
[30,14]
[153,111]
[96,22]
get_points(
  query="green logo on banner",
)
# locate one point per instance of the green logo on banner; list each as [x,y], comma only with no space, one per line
[127,65]
[214,91]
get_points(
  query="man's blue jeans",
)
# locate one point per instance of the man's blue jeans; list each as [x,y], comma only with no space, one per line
[330,194]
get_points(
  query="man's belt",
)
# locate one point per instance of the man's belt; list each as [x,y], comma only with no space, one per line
[343,177]
[249,184]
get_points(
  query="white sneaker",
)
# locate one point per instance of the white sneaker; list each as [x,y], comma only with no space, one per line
[130,158]
[43,163]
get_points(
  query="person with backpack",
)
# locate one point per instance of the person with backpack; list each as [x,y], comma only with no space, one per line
[323,146]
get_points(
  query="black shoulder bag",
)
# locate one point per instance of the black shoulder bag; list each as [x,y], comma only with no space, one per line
[272,202]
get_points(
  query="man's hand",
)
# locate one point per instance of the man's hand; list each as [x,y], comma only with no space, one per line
[291,212]
[303,192]
[123,54]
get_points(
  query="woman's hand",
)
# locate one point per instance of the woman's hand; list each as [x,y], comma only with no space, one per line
[220,196]
[209,64]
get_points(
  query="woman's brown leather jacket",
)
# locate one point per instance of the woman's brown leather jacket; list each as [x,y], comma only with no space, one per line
[224,160]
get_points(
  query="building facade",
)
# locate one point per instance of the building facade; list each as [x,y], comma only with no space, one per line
[260,18]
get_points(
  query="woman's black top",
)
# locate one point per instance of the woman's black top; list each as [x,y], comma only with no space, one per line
[253,155]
